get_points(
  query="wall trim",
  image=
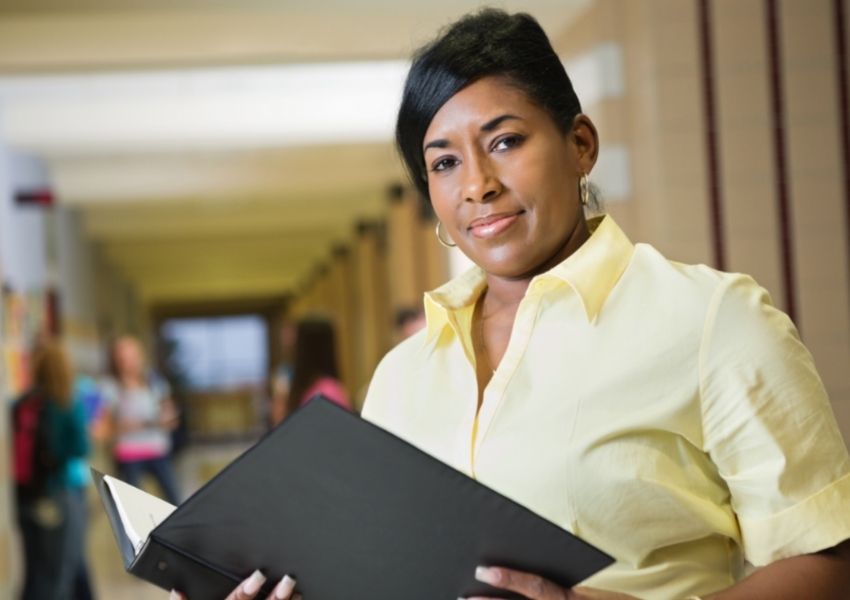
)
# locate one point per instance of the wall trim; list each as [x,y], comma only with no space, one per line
[780,157]
[715,189]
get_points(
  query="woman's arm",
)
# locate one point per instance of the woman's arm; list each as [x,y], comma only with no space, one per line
[824,575]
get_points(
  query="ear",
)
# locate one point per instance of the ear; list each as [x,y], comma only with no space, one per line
[586,139]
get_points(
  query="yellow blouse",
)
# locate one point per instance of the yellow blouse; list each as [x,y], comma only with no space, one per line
[666,413]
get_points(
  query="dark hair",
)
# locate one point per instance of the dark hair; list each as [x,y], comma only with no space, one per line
[406,314]
[487,43]
[315,357]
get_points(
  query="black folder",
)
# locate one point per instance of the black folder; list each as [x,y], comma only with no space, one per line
[353,513]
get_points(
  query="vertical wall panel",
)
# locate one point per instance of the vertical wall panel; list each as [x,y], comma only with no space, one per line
[746,143]
[401,251]
[842,81]
[816,190]
[773,24]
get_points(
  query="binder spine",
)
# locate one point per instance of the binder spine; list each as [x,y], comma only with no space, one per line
[128,553]
[171,568]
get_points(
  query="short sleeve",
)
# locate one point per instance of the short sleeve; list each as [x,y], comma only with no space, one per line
[769,427]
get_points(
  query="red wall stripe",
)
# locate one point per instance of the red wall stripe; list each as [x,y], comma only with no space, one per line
[715,191]
[777,102]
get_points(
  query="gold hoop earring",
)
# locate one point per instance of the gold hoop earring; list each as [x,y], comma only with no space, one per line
[584,189]
[440,238]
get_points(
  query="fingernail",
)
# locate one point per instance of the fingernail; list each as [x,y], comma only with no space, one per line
[174,596]
[283,589]
[486,575]
[253,584]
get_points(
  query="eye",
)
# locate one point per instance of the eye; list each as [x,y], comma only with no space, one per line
[442,164]
[507,142]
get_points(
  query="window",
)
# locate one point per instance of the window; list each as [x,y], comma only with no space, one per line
[219,353]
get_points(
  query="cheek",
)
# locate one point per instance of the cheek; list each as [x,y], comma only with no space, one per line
[441,200]
[547,186]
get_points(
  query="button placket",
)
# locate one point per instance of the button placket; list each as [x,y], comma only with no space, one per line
[494,393]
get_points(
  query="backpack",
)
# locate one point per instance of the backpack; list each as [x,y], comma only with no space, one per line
[33,460]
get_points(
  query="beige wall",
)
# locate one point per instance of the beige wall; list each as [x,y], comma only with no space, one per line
[660,117]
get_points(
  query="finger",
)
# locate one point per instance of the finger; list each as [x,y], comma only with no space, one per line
[175,595]
[283,590]
[248,588]
[531,586]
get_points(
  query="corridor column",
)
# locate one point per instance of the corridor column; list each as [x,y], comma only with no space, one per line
[341,289]
[373,320]
[433,257]
[403,274]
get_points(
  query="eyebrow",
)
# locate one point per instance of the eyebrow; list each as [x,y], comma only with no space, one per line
[489,126]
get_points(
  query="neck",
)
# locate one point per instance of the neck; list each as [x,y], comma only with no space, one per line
[131,380]
[504,292]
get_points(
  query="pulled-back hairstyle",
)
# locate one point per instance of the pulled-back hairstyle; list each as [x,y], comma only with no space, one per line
[487,43]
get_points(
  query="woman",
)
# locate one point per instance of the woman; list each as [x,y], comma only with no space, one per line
[666,413]
[315,370]
[142,417]
[49,430]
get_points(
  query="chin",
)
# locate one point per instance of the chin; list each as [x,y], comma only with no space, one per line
[507,269]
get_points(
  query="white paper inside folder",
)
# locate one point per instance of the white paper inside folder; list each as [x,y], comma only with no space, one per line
[139,511]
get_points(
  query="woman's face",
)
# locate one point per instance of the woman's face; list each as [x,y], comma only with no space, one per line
[128,357]
[504,180]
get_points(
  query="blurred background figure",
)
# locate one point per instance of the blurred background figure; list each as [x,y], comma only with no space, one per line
[49,431]
[315,369]
[281,379]
[88,400]
[408,320]
[142,417]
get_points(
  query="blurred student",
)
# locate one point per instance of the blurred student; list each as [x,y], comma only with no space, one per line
[142,416]
[281,378]
[48,430]
[315,369]
[86,398]
[408,320]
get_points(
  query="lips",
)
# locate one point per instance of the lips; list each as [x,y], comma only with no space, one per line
[492,225]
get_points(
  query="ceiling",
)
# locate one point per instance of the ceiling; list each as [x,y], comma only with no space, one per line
[217,149]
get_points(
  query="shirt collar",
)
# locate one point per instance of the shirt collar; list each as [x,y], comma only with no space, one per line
[594,269]
[591,271]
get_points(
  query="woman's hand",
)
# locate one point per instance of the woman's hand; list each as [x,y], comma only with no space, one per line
[248,589]
[535,587]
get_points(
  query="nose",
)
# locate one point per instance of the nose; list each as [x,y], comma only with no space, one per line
[481,183]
